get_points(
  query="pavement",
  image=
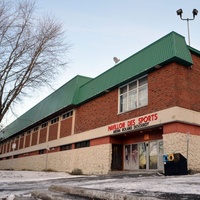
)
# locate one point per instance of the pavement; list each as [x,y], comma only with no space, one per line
[66,192]
[119,185]
[123,186]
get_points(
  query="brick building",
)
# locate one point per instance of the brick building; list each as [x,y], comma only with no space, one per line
[124,119]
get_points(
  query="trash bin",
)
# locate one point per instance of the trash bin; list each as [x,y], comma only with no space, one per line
[175,164]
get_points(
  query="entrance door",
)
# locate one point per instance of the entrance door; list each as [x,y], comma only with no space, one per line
[156,155]
[150,155]
[131,157]
[153,155]
[160,155]
[143,155]
[117,152]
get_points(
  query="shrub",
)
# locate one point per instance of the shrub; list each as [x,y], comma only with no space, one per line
[76,172]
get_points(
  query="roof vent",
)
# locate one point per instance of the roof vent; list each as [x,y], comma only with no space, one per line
[116,60]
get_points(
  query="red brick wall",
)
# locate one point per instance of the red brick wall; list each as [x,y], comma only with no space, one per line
[8,147]
[27,142]
[172,85]
[188,87]
[99,141]
[43,135]
[11,145]
[4,148]
[182,128]
[66,127]
[33,153]
[53,131]
[162,88]
[21,142]
[17,144]
[34,138]
[97,113]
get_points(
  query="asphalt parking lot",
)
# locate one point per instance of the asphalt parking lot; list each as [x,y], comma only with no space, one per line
[117,185]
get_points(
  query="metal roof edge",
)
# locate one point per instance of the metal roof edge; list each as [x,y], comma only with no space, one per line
[15,125]
[175,42]
[177,51]
[193,50]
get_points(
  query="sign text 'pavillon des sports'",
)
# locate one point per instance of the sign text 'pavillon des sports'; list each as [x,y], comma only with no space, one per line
[132,124]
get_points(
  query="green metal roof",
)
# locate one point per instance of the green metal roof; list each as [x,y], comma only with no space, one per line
[170,48]
[61,98]
[194,51]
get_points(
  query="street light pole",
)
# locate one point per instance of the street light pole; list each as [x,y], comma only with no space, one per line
[194,12]
[188,29]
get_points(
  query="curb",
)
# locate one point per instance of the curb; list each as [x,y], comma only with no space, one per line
[96,194]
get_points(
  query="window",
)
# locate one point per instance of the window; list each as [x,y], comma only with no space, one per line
[65,147]
[41,151]
[36,128]
[29,132]
[53,121]
[44,124]
[67,114]
[133,95]
[15,156]
[82,144]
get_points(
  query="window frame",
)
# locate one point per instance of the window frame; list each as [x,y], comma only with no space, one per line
[35,128]
[55,120]
[41,151]
[66,147]
[82,144]
[44,125]
[135,91]
[67,114]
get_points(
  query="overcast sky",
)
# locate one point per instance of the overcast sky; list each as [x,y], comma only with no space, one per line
[98,30]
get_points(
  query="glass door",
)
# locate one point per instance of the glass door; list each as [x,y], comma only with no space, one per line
[160,155]
[131,161]
[127,157]
[150,155]
[142,156]
[134,157]
[145,155]
[153,155]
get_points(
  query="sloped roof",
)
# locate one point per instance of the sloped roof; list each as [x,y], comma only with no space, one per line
[61,98]
[194,51]
[170,48]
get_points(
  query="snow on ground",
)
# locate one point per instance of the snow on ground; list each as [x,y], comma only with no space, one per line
[188,184]
[21,176]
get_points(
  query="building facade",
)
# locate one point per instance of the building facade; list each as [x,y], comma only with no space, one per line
[124,119]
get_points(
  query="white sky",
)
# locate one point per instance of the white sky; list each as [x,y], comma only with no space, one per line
[100,29]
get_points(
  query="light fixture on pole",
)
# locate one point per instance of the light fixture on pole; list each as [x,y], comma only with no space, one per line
[194,12]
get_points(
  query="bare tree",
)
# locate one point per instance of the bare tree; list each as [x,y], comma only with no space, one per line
[31,51]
